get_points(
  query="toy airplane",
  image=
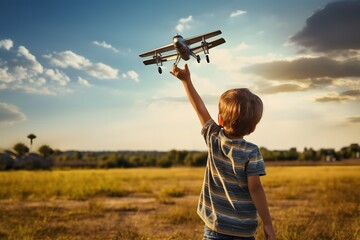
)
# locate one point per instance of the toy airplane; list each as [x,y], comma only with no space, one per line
[183,49]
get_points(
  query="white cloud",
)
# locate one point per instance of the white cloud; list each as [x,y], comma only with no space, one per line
[102,71]
[60,77]
[133,75]
[40,81]
[10,114]
[183,23]
[22,65]
[20,71]
[84,82]
[6,44]
[69,59]
[103,44]
[237,13]
[5,76]
[33,63]
[42,90]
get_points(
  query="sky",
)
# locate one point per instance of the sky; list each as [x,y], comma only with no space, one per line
[71,74]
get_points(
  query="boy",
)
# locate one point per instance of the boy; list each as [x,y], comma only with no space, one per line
[232,193]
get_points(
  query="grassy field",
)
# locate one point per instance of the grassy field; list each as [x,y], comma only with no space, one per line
[317,202]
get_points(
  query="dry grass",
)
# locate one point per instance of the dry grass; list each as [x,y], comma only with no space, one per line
[316,202]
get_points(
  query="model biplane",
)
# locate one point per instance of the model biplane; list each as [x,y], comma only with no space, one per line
[183,48]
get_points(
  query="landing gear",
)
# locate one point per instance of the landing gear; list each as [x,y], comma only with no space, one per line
[158,60]
[198,58]
[207,59]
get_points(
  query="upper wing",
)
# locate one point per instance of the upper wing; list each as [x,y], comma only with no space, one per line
[199,38]
[166,48]
[162,58]
[210,45]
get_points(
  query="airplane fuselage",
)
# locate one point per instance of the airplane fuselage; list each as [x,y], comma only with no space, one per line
[181,47]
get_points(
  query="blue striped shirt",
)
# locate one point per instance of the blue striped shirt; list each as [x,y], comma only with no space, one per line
[225,204]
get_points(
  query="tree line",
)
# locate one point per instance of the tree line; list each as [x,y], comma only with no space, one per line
[20,157]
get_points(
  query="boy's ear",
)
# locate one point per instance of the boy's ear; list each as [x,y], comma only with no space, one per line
[221,120]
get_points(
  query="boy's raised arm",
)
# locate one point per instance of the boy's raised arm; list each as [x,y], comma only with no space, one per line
[194,97]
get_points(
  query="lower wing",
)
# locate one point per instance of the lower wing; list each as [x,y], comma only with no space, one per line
[160,59]
[209,45]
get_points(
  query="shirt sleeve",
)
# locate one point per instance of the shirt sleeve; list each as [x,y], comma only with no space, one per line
[256,164]
[209,128]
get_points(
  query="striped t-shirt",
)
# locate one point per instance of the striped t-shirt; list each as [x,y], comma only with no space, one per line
[225,203]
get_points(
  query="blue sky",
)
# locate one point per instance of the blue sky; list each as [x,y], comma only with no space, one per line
[70,72]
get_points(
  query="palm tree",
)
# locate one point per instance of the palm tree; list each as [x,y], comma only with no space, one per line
[31,137]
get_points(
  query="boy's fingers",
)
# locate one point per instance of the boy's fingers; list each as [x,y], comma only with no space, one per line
[186,67]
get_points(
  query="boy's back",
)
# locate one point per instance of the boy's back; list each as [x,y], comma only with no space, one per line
[225,204]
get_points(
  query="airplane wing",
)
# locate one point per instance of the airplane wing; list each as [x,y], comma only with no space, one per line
[199,38]
[163,59]
[210,45]
[165,48]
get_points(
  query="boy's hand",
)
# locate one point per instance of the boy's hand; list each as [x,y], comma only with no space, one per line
[269,232]
[182,74]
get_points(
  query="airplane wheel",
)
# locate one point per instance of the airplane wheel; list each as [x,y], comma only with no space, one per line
[207,58]
[160,70]
[198,58]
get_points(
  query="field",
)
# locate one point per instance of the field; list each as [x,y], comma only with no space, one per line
[317,202]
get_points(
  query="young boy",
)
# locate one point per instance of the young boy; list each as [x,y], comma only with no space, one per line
[232,193]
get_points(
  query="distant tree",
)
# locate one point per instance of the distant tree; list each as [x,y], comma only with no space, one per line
[21,149]
[199,159]
[108,161]
[46,151]
[279,155]
[31,137]
[267,154]
[180,157]
[164,162]
[177,157]
[78,155]
[135,161]
[147,160]
[196,159]
[308,154]
[292,154]
[354,150]
[345,152]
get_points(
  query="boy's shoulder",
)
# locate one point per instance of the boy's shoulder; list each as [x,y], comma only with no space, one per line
[210,127]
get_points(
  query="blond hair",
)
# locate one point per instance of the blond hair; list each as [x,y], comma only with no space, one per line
[241,111]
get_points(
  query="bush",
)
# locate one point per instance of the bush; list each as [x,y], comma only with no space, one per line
[164,162]
[196,159]
[33,161]
[6,161]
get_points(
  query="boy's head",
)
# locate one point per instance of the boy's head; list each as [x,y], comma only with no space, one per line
[240,111]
